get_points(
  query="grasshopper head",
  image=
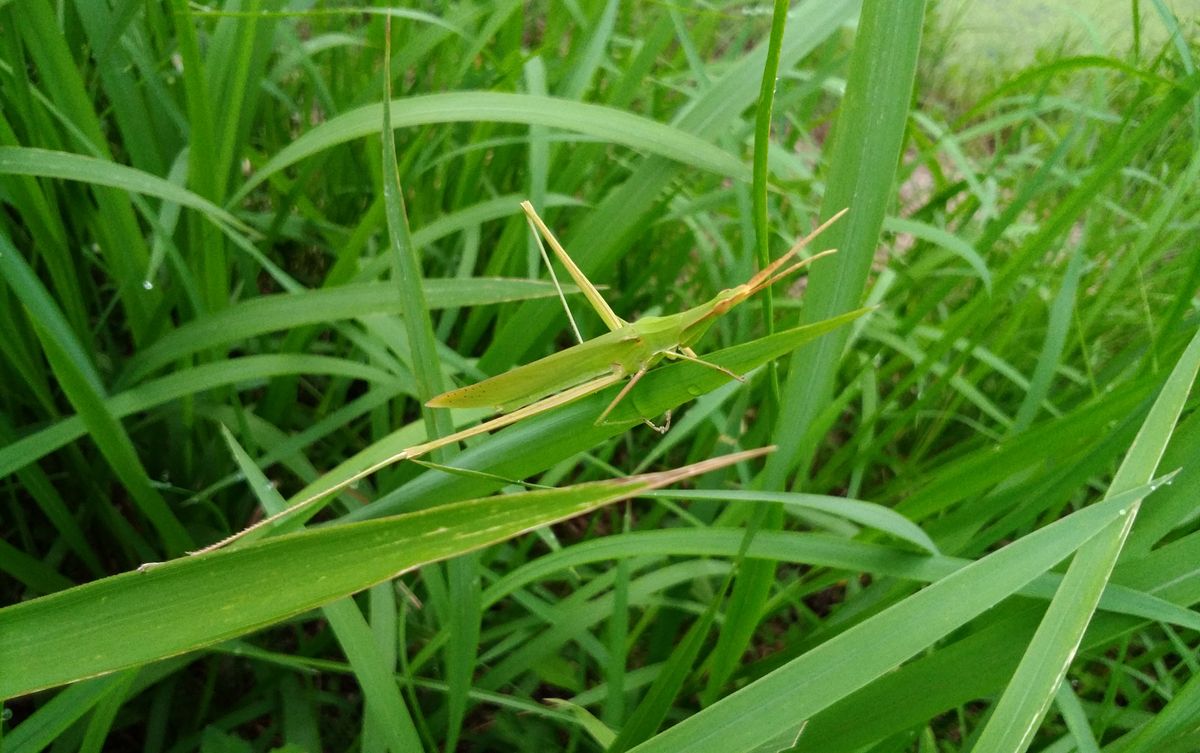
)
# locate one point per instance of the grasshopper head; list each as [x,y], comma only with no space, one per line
[764,278]
[729,298]
[776,270]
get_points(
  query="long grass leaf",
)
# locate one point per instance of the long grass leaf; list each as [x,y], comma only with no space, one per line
[80,382]
[866,150]
[196,601]
[781,700]
[617,126]
[1019,711]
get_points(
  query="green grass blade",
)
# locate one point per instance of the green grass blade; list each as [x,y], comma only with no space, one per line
[407,275]
[264,314]
[40,729]
[868,514]
[616,126]
[1056,335]
[866,150]
[762,146]
[43,163]
[591,54]
[387,715]
[462,652]
[778,702]
[1019,711]
[78,379]
[754,578]
[100,722]
[947,240]
[1076,719]
[650,713]
[385,707]
[596,728]
[36,575]
[195,602]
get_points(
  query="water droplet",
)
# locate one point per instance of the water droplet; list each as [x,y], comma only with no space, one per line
[694,390]
[1122,513]
[147,285]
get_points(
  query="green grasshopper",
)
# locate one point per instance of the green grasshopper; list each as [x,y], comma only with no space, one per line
[628,349]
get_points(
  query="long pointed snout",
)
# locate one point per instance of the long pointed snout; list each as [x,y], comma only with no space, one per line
[767,275]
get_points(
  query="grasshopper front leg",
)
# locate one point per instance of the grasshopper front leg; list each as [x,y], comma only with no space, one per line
[687,354]
[637,375]
[682,354]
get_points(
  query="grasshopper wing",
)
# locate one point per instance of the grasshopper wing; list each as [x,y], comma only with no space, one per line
[531,382]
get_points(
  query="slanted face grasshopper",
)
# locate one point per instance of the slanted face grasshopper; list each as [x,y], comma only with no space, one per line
[628,349]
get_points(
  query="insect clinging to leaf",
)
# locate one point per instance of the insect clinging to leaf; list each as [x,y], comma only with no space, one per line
[628,349]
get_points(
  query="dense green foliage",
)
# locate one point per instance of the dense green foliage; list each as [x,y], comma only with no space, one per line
[211,284]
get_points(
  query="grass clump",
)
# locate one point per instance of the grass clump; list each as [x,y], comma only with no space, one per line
[977,532]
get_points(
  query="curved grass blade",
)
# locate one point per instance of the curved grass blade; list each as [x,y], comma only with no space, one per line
[868,514]
[284,311]
[609,124]
[247,370]
[818,550]
[46,163]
